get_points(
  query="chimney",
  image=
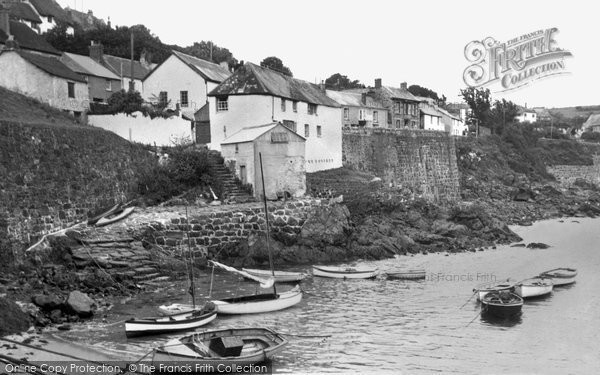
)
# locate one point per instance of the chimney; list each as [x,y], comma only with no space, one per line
[322,86]
[90,13]
[224,64]
[403,86]
[363,98]
[144,60]
[4,19]
[10,44]
[377,83]
[96,51]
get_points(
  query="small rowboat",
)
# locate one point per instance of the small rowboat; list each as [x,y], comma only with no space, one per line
[259,303]
[110,211]
[172,323]
[345,272]
[115,217]
[502,304]
[220,349]
[494,286]
[280,276]
[560,276]
[534,287]
[407,275]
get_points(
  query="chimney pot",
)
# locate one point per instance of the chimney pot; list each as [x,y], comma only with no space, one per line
[97,51]
[377,83]
[403,86]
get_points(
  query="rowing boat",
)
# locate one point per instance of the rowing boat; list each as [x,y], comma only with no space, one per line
[280,276]
[494,286]
[345,272]
[172,323]
[502,304]
[534,287]
[560,276]
[407,275]
[106,220]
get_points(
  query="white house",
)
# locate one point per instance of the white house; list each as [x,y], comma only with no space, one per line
[183,81]
[254,96]
[431,119]
[282,152]
[50,12]
[526,115]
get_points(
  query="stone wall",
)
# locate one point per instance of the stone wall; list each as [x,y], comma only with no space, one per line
[420,160]
[51,176]
[567,174]
[212,227]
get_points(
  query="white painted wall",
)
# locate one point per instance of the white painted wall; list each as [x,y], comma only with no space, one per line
[324,152]
[137,128]
[529,117]
[432,123]
[25,78]
[174,76]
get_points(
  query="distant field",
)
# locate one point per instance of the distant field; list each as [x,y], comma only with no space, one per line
[578,111]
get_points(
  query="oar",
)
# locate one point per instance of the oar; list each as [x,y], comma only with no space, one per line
[472,320]
[474,293]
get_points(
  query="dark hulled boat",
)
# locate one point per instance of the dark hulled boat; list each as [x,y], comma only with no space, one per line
[502,304]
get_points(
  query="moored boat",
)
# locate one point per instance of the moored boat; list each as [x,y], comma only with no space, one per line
[172,323]
[212,351]
[259,303]
[345,272]
[116,216]
[534,287]
[502,304]
[560,276]
[280,276]
[407,275]
[93,220]
[494,286]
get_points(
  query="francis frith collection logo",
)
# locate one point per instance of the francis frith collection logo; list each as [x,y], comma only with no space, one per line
[515,63]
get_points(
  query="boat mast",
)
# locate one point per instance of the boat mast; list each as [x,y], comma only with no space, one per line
[262,177]
[192,290]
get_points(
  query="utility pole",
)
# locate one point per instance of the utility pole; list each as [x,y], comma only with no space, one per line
[131,82]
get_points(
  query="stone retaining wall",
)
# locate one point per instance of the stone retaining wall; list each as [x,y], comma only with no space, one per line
[567,174]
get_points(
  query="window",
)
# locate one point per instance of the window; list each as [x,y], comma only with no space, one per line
[183,98]
[108,85]
[282,105]
[50,19]
[279,137]
[319,131]
[346,113]
[375,117]
[306,130]
[398,124]
[222,104]
[71,89]
[295,106]
[237,148]
[290,125]
[312,109]
[361,114]
[163,98]
[389,117]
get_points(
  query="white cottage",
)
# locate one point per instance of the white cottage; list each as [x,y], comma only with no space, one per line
[282,152]
[254,95]
[183,81]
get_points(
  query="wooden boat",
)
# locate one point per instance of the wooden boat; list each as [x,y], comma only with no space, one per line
[494,286]
[110,211]
[172,323]
[345,272]
[407,275]
[106,220]
[560,276]
[259,303]
[280,276]
[534,287]
[502,304]
[212,351]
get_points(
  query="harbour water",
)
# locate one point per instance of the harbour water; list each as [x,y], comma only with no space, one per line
[413,327]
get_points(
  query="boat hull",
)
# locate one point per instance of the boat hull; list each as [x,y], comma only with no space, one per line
[560,276]
[491,306]
[257,304]
[173,323]
[109,220]
[484,289]
[280,276]
[407,275]
[536,287]
[344,273]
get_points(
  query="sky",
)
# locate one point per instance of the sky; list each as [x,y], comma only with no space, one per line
[418,42]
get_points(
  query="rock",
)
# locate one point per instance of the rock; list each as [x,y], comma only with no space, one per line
[523,194]
[80,304]
[448,229]
[48,302]
[328,225]
[537,245]
[12,319]
[56,316]
[64,327]
[518,245]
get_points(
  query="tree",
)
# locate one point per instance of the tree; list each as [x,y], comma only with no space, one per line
[479,101]
[340,82]
[502,113]
[427,93]
[210,52]
[276,64]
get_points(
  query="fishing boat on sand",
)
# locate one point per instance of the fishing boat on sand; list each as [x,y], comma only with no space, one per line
[345,272]
[560,276]
[218,349]
[501,304]
[280,276]
[415,274]
[172,323]
[494,286]
[534,287]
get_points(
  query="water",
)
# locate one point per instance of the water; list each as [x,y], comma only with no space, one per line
[418,327]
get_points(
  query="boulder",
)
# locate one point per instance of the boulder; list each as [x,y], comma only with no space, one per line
[328,225]
[48,302]
[12,319]
[80,303]
[523,194]
[537,245]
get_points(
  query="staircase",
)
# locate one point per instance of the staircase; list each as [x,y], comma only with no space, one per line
[232,191]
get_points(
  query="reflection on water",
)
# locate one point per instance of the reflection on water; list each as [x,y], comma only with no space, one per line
[414,326]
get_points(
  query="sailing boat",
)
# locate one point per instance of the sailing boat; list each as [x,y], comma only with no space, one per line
[191,318]
[259,303]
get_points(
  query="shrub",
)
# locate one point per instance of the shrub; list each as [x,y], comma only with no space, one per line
[591,136]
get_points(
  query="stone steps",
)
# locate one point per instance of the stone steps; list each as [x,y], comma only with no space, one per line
[231,188]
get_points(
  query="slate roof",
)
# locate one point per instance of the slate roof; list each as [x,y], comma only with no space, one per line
[430,111]
[399,93]
[250,133]
[593,120]
[87,66]
[87,21]
[51,65]
[252,79]
[28,39]
[50,8]
[449,114]
[24,11]
[346,98]
[122,67]
[208,70]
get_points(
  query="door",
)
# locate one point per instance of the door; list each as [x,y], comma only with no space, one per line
[243,176]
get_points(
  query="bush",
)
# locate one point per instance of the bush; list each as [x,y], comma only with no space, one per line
[119,102]
[591,136]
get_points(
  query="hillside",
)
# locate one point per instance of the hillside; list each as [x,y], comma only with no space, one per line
[574,112]
[19,108]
